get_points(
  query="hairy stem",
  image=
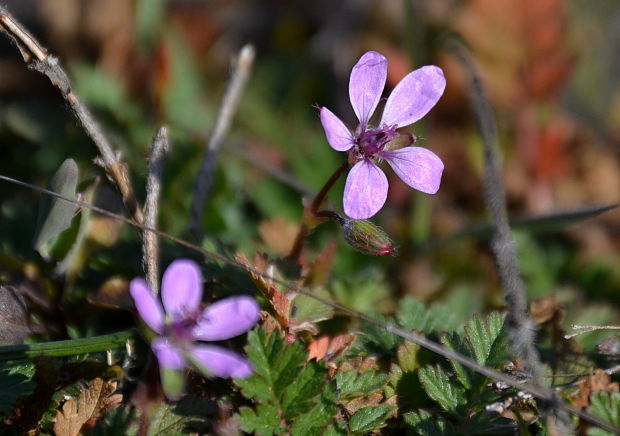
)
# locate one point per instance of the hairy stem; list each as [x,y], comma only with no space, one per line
[313,210]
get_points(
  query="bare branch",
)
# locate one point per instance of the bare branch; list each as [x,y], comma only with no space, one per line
[204,179]
[37,58]
[520,327]
[150,241]
[589,328]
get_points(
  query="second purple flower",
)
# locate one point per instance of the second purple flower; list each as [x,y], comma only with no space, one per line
[181,323]
[367,186]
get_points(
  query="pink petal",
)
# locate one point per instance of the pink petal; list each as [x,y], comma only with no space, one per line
[365,191]
[338,135]
[181,288]
[147,304]
[366,84]
[227,318]
[418,167]
[168,355]
[221,362]
[414,96]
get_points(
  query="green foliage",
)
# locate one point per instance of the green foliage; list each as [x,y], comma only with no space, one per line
[285,387]
[606,406]
[369,418]
[352,384]
[462,397]
[424,423]
[55,214]
[440,388]
[415,315]
[13,386]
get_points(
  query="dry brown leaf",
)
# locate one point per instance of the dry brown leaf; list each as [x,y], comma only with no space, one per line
[92,403]
[598,381]
[358,403]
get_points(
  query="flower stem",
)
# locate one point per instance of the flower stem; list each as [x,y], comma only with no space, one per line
[68,347]
[316,203]
[313,211]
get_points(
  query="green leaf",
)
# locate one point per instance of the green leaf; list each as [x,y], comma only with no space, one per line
[275,366]
[13,386]
[265,421]
[165,420]
[307,309]
[321,415]
[362,292]
[407,355]
[377,340]
[453,341]
[440,388]
[487,338]
[369,418]
[423,423]
[354,384]
[543,223]
[298,396]
[606,406]
[415,315]
[55,215]
[290,392]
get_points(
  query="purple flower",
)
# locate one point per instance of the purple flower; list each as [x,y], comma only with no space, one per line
[366,187]
[184,322]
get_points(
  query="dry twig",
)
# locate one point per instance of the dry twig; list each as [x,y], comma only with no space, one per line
[37,58]
[150,240]
[204,179]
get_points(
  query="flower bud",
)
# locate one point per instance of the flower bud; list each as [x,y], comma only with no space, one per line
[367,238]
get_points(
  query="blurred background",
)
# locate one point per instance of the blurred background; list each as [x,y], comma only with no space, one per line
[551,69]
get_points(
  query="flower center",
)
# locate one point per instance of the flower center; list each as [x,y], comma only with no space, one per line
[370,142]
[180,330]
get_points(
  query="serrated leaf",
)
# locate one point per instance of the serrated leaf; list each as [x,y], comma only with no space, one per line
[314,421]
[352,384]
[440,388]
[298,396]
[415,315]
[265,421]
[13,386]
[485,336]
[275,366]
[55,215]
[423,423]
[606,406]
[457,343]
[377,340]
[164,420]
[369,418]
[93,401]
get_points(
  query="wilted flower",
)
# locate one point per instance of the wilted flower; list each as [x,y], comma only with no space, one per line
[184,323]
[366,187]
